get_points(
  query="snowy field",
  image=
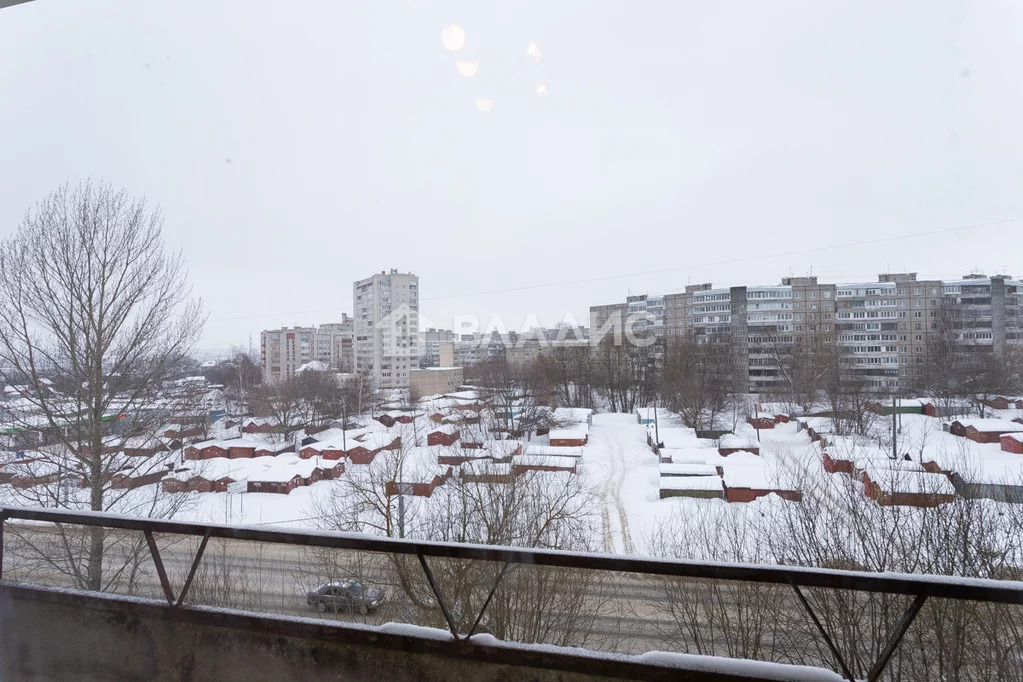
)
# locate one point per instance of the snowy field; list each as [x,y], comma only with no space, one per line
[618,467]
[620,471]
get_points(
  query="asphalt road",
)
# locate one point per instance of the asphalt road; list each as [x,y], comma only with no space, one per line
[625,613]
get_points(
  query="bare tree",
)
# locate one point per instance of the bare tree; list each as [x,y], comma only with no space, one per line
[284,404]
[94,315]
[239,376]
[697,380]
[569,371]
[624,373]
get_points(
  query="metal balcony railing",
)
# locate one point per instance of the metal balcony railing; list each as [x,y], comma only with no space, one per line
[919,587]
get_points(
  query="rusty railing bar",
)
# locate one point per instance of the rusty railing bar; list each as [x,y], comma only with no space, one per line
[154,551]
[440,599]
[490,596]
[3,522]
[191,572]
[827,638]
[950,587]
[893,643]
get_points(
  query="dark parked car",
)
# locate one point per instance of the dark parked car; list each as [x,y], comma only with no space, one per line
[345,595]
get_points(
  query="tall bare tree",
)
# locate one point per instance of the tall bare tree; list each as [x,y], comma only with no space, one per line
[94,315]
[625,373]
[698,380]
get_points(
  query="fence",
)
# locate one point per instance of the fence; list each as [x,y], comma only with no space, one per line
[919,587]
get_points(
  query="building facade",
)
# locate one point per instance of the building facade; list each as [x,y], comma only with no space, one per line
[880,331]
[430,344]
[284,350]
[435,380]
[387,328]
[985,313]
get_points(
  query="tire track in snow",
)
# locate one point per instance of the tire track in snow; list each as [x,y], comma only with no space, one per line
[605,507]
[616,522]
[623,519]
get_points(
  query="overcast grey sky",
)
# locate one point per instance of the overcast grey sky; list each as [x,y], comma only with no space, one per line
[297,146]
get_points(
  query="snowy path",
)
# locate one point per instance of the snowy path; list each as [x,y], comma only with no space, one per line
[617,463]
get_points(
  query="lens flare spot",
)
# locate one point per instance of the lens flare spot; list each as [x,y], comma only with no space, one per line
[485,105]
[467,69]
[541,89]
[453,37]
[533,52]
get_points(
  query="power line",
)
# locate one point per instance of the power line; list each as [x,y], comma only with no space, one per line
[681,268]
[731,261]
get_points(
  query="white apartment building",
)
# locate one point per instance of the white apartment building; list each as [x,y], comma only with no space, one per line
[387,328]
[284,350]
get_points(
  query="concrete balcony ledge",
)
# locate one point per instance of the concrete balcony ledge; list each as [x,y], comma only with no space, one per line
[50,633]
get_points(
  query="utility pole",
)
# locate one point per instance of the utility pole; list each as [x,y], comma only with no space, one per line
[895,448]
[657,432]
[401,511]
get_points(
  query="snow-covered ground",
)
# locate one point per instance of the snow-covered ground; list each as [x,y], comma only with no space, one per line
[622,473]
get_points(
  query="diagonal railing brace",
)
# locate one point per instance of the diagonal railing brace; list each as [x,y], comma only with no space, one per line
[489,597]
[827,638]
[436,592]
[195,565]
[154,551]
[893,642]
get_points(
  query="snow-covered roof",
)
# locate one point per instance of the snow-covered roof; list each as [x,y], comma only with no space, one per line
[419,464]
[674,436]
[480,467]
[338,435]
[374,440]
[852,448]
[554,451]
[448,429]
[574,433]
[913,402]
[545,461]
[992,425]
[572,415]
[886,468]
[994,470]
[208,443]
[672,469]
[464,396]
[282,471]
[756,478]
[691,483]
[314,366]
[687,455]
[1013,436]
[504,448]
[215,468]
[253,443]
[730,440]
[914,482]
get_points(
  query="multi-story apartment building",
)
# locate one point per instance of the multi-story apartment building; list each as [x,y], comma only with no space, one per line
[984,313]
[884,328]
[429,346]
[284,350]
[647,313]
[607,321]
[387,328]
[880,330]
